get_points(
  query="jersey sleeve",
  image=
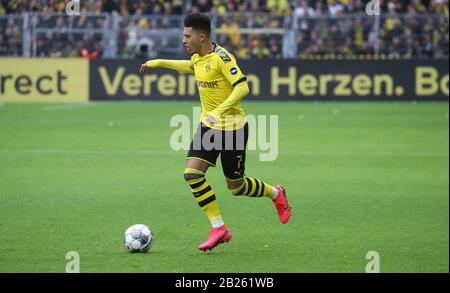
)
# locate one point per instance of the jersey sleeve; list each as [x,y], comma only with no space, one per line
[229,68]
[184,66]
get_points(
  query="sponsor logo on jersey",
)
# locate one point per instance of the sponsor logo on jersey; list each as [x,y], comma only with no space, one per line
[208,84]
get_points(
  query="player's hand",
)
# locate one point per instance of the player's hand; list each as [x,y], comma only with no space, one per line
[211,119]
[143,68]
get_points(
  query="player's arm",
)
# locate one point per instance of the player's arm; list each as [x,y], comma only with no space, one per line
[184,66]
[230,70]
[239,92]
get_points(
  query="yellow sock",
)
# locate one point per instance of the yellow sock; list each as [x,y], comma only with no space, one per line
[204,195]
[253,187]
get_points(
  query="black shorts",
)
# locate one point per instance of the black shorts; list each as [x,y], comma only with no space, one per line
[208,143]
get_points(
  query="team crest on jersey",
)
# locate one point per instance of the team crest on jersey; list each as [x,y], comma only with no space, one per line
[208,67]
[233,71]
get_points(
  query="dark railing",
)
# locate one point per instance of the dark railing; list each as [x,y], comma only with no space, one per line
[247,35]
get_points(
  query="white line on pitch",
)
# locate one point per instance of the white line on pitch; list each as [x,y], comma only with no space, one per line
[85,152]
[381,154]
[66,107]
[168,152]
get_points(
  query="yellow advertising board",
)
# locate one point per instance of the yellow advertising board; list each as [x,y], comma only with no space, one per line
[55,80]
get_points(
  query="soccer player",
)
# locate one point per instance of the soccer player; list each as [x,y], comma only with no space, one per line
[223,129]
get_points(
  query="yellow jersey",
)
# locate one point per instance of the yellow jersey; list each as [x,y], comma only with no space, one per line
[216,74]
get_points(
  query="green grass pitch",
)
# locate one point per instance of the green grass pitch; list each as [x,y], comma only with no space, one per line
[360,176]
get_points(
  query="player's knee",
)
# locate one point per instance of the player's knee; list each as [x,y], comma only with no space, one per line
[235,187]
[190,175]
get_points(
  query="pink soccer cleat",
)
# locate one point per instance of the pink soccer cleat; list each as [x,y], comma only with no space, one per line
[282,205]
[216,236]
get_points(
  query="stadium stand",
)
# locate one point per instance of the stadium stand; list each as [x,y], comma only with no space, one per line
[329,29]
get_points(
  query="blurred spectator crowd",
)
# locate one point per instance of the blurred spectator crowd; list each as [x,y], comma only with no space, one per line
[249,28]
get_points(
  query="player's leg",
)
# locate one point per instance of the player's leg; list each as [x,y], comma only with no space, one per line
[194,174]
[233,164]
[255,188]
[198,162]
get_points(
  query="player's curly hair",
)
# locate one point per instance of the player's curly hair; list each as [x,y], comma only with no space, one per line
[199,22]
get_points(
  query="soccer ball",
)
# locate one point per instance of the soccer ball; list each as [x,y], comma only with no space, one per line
[138,238]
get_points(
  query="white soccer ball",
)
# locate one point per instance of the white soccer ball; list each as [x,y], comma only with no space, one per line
[138,238]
